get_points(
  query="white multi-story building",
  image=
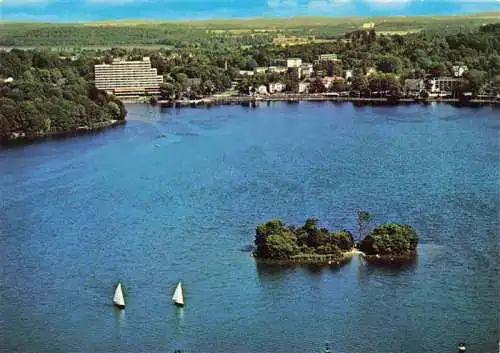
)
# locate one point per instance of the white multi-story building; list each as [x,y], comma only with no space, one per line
[328,57]
[262,89]
[459,70]
[444,84]
[277,69]
[260,70]
[413,87]
[304,87]
[293,62]
[306,70]
[128,77]
[276,87]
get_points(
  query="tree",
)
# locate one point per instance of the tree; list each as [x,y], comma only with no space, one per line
[28,76]
[389,64]
[208,87]
[438,70]
[338,87]
[317,86]
[476,80]
[243,86]
[183,80]
[343,239]
[364,221]
[282,245]
[166,90]
[359,83]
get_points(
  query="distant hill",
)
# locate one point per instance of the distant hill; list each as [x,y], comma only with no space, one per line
[246,32]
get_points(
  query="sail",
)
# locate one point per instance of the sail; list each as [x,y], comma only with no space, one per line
[118,297]
[178,298]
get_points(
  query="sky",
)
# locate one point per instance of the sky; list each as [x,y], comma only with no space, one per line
[98,10]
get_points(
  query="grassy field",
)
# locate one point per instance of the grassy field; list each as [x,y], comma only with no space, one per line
[399,33]
[176,33]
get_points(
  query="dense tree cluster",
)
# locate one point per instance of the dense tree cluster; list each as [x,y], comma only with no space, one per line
[275,240]
[216,33]
[390,239]
[49,96]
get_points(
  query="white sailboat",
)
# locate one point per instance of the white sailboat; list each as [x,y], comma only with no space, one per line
[118,297]
[178,297]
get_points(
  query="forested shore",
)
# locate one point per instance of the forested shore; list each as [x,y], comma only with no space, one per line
[50,97]
[46,92]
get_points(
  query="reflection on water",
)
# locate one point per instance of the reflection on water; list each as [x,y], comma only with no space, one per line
[180,315]
[120,319]
[267,270]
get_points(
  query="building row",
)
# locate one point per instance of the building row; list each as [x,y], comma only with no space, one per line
[304,70]
[303,86]
[436,86]
[138,78]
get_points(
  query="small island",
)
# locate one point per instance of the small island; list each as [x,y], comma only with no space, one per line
[278,243]
[390,243]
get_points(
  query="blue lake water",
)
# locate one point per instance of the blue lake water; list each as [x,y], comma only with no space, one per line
[176,195]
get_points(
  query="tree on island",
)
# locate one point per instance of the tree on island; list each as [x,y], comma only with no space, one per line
[364,221]
[390,239]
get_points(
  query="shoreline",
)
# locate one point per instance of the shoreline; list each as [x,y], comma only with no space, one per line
[345,258]
[313,259]
[21,139]
[293,98]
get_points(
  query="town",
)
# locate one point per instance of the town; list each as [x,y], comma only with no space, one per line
[48,91]
[170,76]
[133,80]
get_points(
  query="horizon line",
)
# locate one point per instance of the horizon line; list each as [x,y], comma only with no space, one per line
[243,19]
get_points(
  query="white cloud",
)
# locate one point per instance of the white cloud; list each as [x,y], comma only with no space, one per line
[388,2]
[325,5]
[110,2]
[479,1]
[20,3]
[282,4]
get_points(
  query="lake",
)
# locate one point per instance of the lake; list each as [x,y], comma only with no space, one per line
[176,194]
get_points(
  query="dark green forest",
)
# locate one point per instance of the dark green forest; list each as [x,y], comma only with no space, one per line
[215,33]
[50,96]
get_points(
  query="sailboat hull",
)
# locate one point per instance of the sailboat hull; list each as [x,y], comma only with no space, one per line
[120,306]
[179,304]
